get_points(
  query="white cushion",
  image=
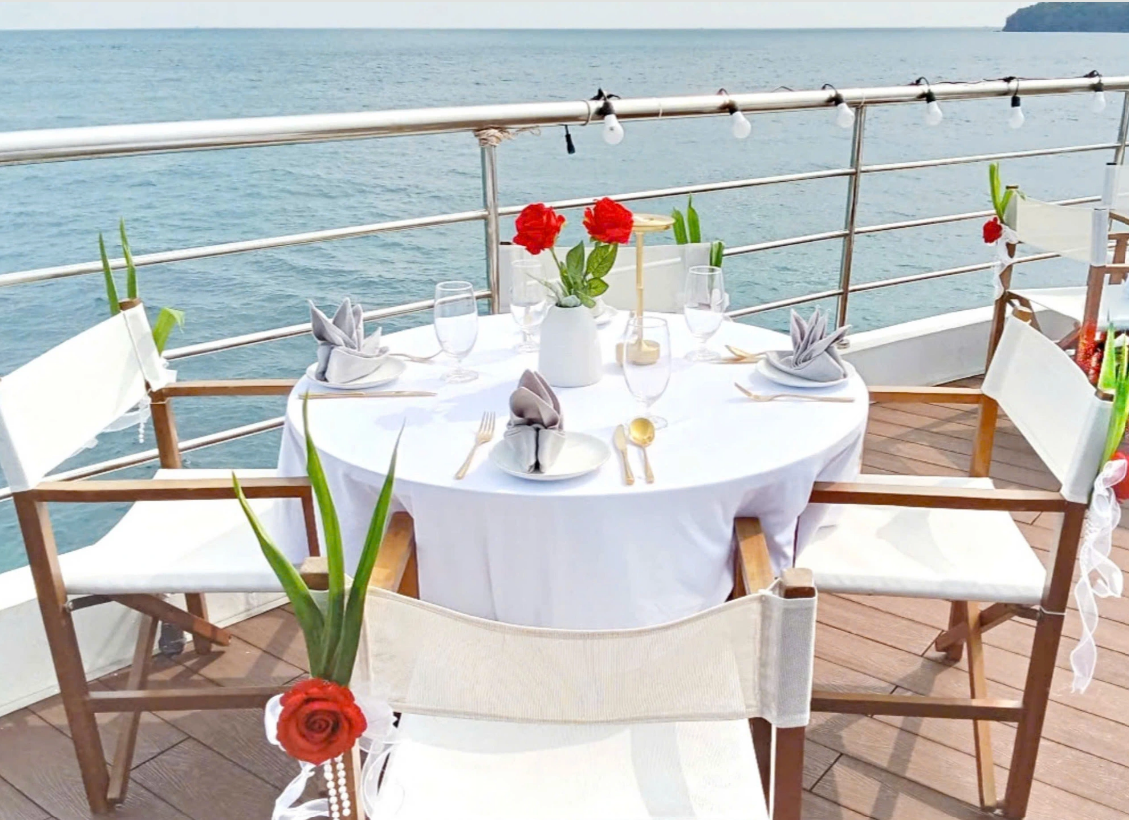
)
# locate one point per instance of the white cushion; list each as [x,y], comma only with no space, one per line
[181,546]
[459,769]
[957,555]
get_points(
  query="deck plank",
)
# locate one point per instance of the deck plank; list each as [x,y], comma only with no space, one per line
[15,806]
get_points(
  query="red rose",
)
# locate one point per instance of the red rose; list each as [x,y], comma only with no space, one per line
[609,222]
[993,230]
[320,720]
[1121,488]
[538,227]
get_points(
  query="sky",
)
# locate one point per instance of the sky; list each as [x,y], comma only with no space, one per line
[95,15]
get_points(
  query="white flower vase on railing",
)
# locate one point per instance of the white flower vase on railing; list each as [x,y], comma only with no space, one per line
[570,348]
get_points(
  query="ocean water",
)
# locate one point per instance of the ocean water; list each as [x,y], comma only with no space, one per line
[52,214]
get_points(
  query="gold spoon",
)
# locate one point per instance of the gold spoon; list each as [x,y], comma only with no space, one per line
[642,434]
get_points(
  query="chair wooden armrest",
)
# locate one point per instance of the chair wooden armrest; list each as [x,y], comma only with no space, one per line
[169,489]
[754,567]
[948,498]
[919,395]
[227,387]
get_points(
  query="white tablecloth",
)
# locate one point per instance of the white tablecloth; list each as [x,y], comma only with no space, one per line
[588,552]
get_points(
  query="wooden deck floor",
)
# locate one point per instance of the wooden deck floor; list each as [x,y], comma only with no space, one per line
[217,766]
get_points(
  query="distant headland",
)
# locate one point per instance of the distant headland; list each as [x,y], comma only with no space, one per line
[1070,17]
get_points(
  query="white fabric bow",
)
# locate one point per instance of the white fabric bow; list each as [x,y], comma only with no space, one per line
[376,741]
[1093,556]
[1002,260]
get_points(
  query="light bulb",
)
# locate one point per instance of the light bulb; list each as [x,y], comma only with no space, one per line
[1097,102]
[613,131]
[1016,119]
[740,125]
[933,113]
[846,117]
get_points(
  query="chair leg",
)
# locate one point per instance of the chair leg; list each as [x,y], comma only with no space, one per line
[981,729]
[1036,693]
[198,606]
[65,654]
[788,791]
[351,787]
[131,721]
[762,745]
[957,615]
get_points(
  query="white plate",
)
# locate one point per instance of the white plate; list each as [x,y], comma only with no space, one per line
[580,455]
[606,315]
[788,380]
[387,372]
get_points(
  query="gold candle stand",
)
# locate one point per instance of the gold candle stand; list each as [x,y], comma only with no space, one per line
[643,352]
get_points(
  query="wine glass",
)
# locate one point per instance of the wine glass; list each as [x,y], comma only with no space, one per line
[646,362]
[529,301]
[456,325]
[704,303]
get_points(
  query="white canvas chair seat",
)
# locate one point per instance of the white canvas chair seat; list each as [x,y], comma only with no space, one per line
[180,546]
[959,555]
[1070,302]
[460,769]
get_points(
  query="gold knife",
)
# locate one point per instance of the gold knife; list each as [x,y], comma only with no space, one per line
[621,445]
[375,394]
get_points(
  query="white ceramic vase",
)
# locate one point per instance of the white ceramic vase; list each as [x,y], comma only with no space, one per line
[570,349]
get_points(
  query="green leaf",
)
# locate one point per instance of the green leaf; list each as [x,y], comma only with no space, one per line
[585,299]
[597,287]
[574,262]
[693,227]
[1107,379]
[355,608]
[305,608]
[679,227]
[334,555]
[601,260]
[130,269]
[108,274]
[994,185]
[1002,211]
[167,319]
[717,253]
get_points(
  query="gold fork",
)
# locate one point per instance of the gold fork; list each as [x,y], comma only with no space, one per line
[412,358]
[484,434]
[742,356]
[797,396]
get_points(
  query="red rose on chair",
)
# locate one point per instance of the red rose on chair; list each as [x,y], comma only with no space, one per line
[609,222]
[320,720]
[538,226]
[993,230]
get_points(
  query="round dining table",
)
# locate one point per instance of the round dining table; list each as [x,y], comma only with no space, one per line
[588,552]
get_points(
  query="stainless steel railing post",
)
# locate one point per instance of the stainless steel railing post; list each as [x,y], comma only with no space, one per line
[490,203]
[851,216]
[1122,131]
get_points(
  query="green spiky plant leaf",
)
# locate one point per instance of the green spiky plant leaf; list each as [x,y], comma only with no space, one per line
[1107,378]
[108,275]
[306,610]
[717,253]
[1120,413]
[167,319]
[693,225]
[130,268]
[679,227]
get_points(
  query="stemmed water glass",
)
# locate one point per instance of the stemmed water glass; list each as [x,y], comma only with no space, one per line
[456,325]
[646,362]
[529,301]
[704,303]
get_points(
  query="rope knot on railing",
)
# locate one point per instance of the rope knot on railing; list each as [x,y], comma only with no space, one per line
[494,137]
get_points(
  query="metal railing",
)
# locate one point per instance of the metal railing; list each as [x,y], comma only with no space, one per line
[490,124]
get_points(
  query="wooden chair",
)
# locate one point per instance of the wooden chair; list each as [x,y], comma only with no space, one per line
[953,539]
[503,721]
[185,533]
[1076,232]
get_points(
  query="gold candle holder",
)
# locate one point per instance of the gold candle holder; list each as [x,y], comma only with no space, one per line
[642,352]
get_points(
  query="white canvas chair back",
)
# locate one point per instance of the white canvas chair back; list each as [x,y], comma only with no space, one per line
[1074,231]
[1052,403]
[58,402]
[751,657]
[664,271]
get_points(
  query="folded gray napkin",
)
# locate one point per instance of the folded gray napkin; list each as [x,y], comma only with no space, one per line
[536,428]
[813,355]
[344,354]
